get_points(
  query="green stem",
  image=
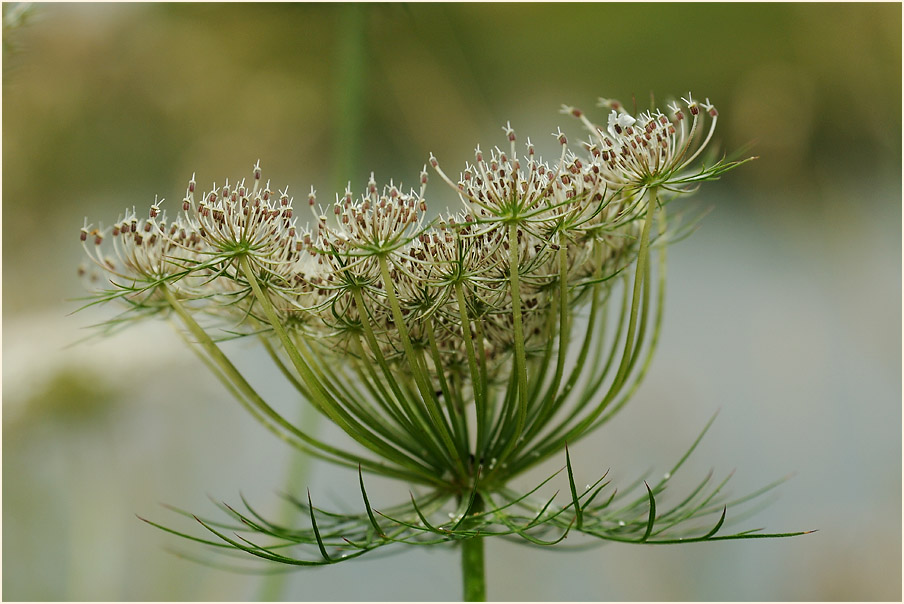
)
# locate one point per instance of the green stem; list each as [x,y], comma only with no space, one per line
[639,274]
[547,406]
[476,376]
[319,395]
[473,569]
[235,382]
[520,357]
[418,418]
[420,378]
[554,441]
[520,363]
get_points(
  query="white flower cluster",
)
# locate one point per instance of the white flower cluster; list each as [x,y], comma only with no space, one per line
[529,237]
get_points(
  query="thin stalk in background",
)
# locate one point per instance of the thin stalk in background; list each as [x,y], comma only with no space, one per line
[272,587]
[350,82]
[349,95]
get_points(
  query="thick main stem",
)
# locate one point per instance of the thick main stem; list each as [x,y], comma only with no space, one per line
[473,569]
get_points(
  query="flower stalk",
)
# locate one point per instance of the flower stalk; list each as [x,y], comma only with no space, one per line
[473,570]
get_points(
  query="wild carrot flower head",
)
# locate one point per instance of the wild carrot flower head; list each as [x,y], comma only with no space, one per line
[652,148]
[457,351]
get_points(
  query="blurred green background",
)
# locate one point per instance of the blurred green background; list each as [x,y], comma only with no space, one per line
[783,311]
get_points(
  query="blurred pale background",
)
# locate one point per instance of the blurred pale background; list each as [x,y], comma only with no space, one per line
[783,311]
